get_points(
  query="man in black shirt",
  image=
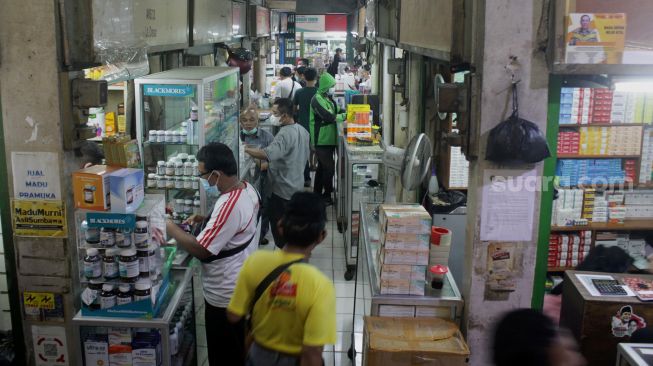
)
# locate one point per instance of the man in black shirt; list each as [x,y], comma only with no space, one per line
[302,102]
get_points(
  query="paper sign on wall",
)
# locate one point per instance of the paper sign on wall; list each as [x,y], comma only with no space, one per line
[36,175]
[39,218]
[595,38]
[310,23]
[508,205]
[50,346]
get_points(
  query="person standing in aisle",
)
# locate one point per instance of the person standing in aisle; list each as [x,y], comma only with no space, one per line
[251,135]
[301,78]
[302,102]
[286,87]
[337,59]
[286,156]
[292,304]
[324,118]
[222,247]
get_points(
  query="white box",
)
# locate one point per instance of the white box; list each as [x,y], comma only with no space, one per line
[96,353]
[127,190]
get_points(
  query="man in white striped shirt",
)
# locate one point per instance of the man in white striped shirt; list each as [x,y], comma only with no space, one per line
[230,236]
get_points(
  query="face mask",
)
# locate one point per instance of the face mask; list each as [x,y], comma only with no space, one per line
[331,91]
[211,191]
[250,132]
[274,120]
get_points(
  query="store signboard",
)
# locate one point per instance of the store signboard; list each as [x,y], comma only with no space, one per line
[595,38]
[336,23]
[168,90]
[274,22]
[283,18]
[111,220]
[40,218]
[310,23]
[212,22]
[239,19]
[262,21]
[36,175]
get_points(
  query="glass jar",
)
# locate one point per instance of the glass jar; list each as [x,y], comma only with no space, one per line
[108,296]
[188,183]
[141,234]
[170,182]
[153,136]
[196,206]
[196,183]
[183,137]
[143,262]
[179,168]
[161,181]
[175,137]
[179,205]
[110,264]
[124,295]
[143,290]
[179,182]
[188,207]
[91,234]
[169,137]
[170,168]
[128,265]
[196,170]
[161,136]
[95,287]
[436,276]
[151,180]
[92,264]
[188,168]
[107,237]
[161,167]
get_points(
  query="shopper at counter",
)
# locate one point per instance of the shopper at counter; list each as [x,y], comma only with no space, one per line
[295,316]
[222,246]
[286,86]
[286,156]
[302,102]
[252,136]
[324,135]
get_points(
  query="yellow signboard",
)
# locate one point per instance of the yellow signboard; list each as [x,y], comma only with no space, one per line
[595,38]
[39,218]
[40,300]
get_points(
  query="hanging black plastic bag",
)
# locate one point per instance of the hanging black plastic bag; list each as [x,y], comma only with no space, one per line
[516,140]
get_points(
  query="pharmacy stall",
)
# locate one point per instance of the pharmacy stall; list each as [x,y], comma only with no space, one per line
[319,37]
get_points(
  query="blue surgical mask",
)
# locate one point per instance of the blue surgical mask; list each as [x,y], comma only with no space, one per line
[211,191]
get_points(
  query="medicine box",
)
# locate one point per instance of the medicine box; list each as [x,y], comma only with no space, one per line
[403,272]
[96,353]
[404,219]
[127,190]
[91,188]
[405,241]
[401,256]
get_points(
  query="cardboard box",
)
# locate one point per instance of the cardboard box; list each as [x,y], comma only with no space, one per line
[127,190]
[404,256]
[402,341]
[402,287]
[405,241]
[399,311]
[403,272]
[404,219]
[91,188]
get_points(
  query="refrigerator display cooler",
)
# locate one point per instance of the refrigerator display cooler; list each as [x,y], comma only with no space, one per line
[177,112]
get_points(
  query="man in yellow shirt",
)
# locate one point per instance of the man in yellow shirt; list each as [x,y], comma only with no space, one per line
[295,315]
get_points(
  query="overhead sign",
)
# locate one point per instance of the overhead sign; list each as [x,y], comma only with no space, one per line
[310,23]
[336,23]
[262,21]
[36,175]
[39,218]
[168,90]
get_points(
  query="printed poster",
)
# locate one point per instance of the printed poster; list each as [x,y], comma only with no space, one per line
[39,218]
[36,175]
[50,346]
[595,38]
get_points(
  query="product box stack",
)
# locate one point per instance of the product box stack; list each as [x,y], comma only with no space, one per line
[575,172]
[625,141]
[568,250]
[575,106]
[601,102]
[359,124]
[634,245]
[121,265]
[594,140]
[639,205]
[569,142]
[568,208]
[404,253]
[646,168]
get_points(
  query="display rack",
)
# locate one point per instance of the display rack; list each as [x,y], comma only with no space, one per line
[173,327]
[352,189]
[197,105]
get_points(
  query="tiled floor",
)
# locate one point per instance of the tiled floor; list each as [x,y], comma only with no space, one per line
[329,257]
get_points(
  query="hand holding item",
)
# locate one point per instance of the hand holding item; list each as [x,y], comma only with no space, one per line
[194,219]
[157,235]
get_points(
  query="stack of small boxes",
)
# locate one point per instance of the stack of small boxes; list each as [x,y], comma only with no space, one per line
[633,245]
[646,169]
[568,142]
[575,106]
[600,207]
[575,172]
[359,124]
[602,106]
[632,108]
[594,141]
[568,208]
[625,141]
[601,102]
[568,250]
[404,253]
[639,204]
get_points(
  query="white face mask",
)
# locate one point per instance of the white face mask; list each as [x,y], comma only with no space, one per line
[274,120]
[331,91]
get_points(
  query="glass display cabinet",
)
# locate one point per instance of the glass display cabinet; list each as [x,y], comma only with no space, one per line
[177,112]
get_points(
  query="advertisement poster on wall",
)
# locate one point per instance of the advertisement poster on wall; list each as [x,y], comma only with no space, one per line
[310,23]
[39,218]
[595,38]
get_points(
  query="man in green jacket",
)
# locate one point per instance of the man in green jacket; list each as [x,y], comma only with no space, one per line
[324,135]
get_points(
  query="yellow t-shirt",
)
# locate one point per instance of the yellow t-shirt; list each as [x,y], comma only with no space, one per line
[299,308]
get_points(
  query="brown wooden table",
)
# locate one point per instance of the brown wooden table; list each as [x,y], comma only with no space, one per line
[598,322]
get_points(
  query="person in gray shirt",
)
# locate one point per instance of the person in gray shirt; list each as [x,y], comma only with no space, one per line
[253,136]
[286,156]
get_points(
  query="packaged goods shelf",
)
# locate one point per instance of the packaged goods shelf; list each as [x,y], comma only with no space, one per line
[629,225]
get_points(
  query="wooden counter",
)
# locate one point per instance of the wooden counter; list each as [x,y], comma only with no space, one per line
[590,317]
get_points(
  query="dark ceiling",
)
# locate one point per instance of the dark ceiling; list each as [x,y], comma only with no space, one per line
[326,6]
